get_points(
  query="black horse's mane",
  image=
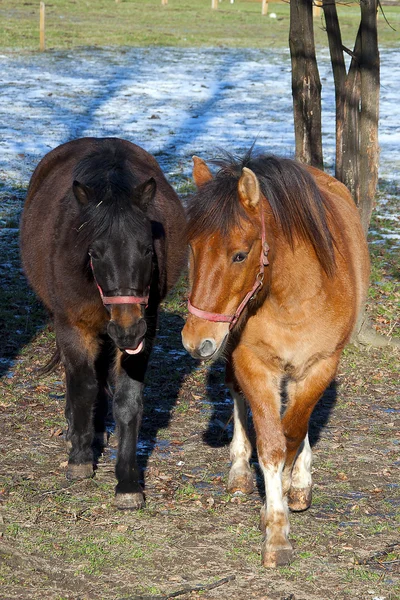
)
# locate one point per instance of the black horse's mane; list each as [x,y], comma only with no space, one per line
[296,202]
[109,175]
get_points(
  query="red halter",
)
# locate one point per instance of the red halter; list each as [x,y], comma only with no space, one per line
[119,299]
[232,319]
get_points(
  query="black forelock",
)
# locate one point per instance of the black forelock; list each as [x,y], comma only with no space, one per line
[109,175]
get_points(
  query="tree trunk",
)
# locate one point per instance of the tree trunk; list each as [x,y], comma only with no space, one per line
[339,75]
[306,84]
[349,167]
[357,106]
[370,87]
[347,101]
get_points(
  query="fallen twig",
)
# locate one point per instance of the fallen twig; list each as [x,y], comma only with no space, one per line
[377,559]
[186,590]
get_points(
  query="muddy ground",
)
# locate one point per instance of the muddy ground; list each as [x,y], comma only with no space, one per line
[62,540]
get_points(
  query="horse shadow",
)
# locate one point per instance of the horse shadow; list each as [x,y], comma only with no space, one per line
[220,426]
[169,365]
[21,314]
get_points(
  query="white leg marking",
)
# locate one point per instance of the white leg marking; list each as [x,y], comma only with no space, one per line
[240,475]
[240,448]
[301,474]
[276,510]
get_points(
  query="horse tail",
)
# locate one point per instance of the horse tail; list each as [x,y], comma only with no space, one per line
[51,364]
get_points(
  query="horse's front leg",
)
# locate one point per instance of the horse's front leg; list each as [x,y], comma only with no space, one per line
[240,475]
[78,354]
[261,385]
[303,396]
[128,409]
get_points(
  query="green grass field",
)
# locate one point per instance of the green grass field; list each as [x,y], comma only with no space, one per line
[72,23]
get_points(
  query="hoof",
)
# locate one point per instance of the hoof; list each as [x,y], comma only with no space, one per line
[241,482]
[129,501]
[79,471]
[276,558]
[299,499]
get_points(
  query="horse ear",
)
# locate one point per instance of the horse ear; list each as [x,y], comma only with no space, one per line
[249,189]
[201,173]
[144,193]
[82,193]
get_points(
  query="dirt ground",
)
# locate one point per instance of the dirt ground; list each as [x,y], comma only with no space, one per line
[61,540]
[65,540]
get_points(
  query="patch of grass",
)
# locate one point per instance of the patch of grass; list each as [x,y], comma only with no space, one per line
[185,23]
[186,492]
[150,590]
[175,302]
[384,292]
[185,187]
[363,574]
[306,554]
[182,406]
[13,529]
[372,527]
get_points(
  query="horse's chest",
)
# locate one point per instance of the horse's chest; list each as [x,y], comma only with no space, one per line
[290,347]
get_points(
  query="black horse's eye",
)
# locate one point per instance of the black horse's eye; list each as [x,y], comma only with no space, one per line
[93,254]
[149,250]
[239,257]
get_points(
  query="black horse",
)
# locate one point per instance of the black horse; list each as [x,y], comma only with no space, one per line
[102,242]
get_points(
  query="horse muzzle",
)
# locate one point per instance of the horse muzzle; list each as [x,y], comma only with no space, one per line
[127,329]
[204,341]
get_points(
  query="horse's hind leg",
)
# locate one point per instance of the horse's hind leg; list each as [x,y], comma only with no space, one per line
[300,488]
[78,355]
[101,408]
[303,396]
[240,475]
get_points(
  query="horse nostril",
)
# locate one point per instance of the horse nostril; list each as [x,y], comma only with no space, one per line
[141,328]
[112,329]
[207,348]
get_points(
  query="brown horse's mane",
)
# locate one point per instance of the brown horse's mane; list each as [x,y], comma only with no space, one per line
[109,175]
[297,204]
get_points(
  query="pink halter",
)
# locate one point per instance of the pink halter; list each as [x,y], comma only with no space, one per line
[119,299]
[232,319]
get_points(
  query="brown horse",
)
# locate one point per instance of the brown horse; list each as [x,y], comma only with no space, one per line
[279,270]
[102,242]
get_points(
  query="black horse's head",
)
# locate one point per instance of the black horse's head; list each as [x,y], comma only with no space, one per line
[119,240]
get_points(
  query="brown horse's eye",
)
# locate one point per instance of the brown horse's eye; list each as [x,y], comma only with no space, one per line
[239,257]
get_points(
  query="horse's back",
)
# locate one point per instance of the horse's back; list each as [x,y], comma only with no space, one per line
[347,231]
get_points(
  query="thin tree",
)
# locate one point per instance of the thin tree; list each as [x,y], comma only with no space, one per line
[306,84]
[357,105]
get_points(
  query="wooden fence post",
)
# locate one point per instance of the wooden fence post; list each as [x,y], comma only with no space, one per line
[41,27]
[317,7]
[264,7]
[214,4]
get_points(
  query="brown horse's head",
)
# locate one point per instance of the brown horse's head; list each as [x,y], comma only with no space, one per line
[224,264]
[231,218]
